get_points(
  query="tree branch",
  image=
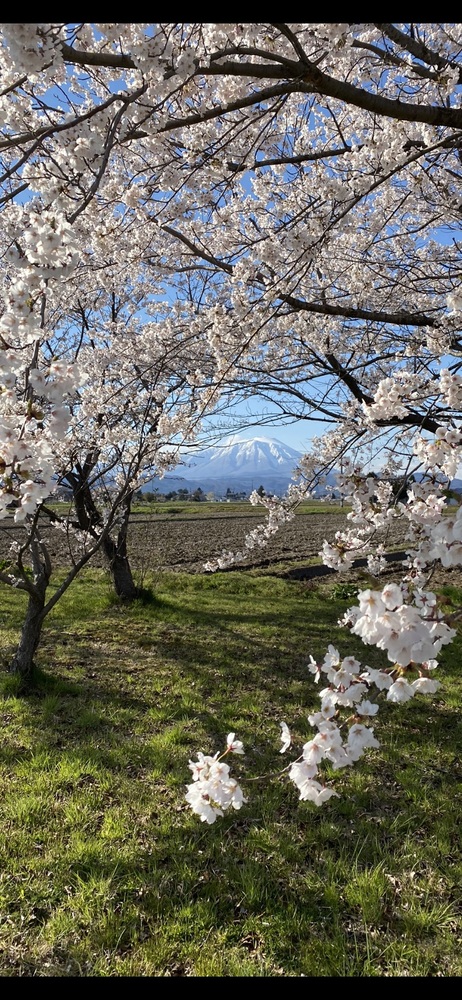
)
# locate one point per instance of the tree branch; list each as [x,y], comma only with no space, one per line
[402,318]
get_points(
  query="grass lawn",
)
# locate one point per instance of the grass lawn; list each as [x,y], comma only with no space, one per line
[104,871]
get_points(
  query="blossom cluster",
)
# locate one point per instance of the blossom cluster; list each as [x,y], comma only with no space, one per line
[348,703]
[411,632]
[213,791]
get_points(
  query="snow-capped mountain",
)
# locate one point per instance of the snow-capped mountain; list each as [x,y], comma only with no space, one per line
[238,464]
[242,465]
[239,457]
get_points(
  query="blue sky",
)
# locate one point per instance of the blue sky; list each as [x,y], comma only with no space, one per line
[238,420]
[297,435]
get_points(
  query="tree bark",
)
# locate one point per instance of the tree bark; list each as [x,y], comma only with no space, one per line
[23,660]
[117,557]
[89,519]
[120,570]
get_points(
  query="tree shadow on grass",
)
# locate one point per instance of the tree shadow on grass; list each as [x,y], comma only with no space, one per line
[245,879]
[277,865]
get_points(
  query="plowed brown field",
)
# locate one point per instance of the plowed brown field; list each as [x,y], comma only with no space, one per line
[185,542]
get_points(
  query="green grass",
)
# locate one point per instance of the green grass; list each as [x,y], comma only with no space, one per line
[105,872]
[181,509]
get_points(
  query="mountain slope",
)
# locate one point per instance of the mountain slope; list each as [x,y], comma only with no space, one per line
[237,457]
[241,465]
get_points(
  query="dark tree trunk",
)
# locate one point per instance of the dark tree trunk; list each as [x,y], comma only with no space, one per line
[117,556]
[23,660]
[89,519]
[120,570]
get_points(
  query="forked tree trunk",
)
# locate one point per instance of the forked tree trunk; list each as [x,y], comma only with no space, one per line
[117,556]
[89,519]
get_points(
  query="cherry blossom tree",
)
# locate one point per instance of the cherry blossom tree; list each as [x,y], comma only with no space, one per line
[100,423]
[141,400]
[293,192]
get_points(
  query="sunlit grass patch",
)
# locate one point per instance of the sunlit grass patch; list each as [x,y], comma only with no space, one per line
[104,870]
